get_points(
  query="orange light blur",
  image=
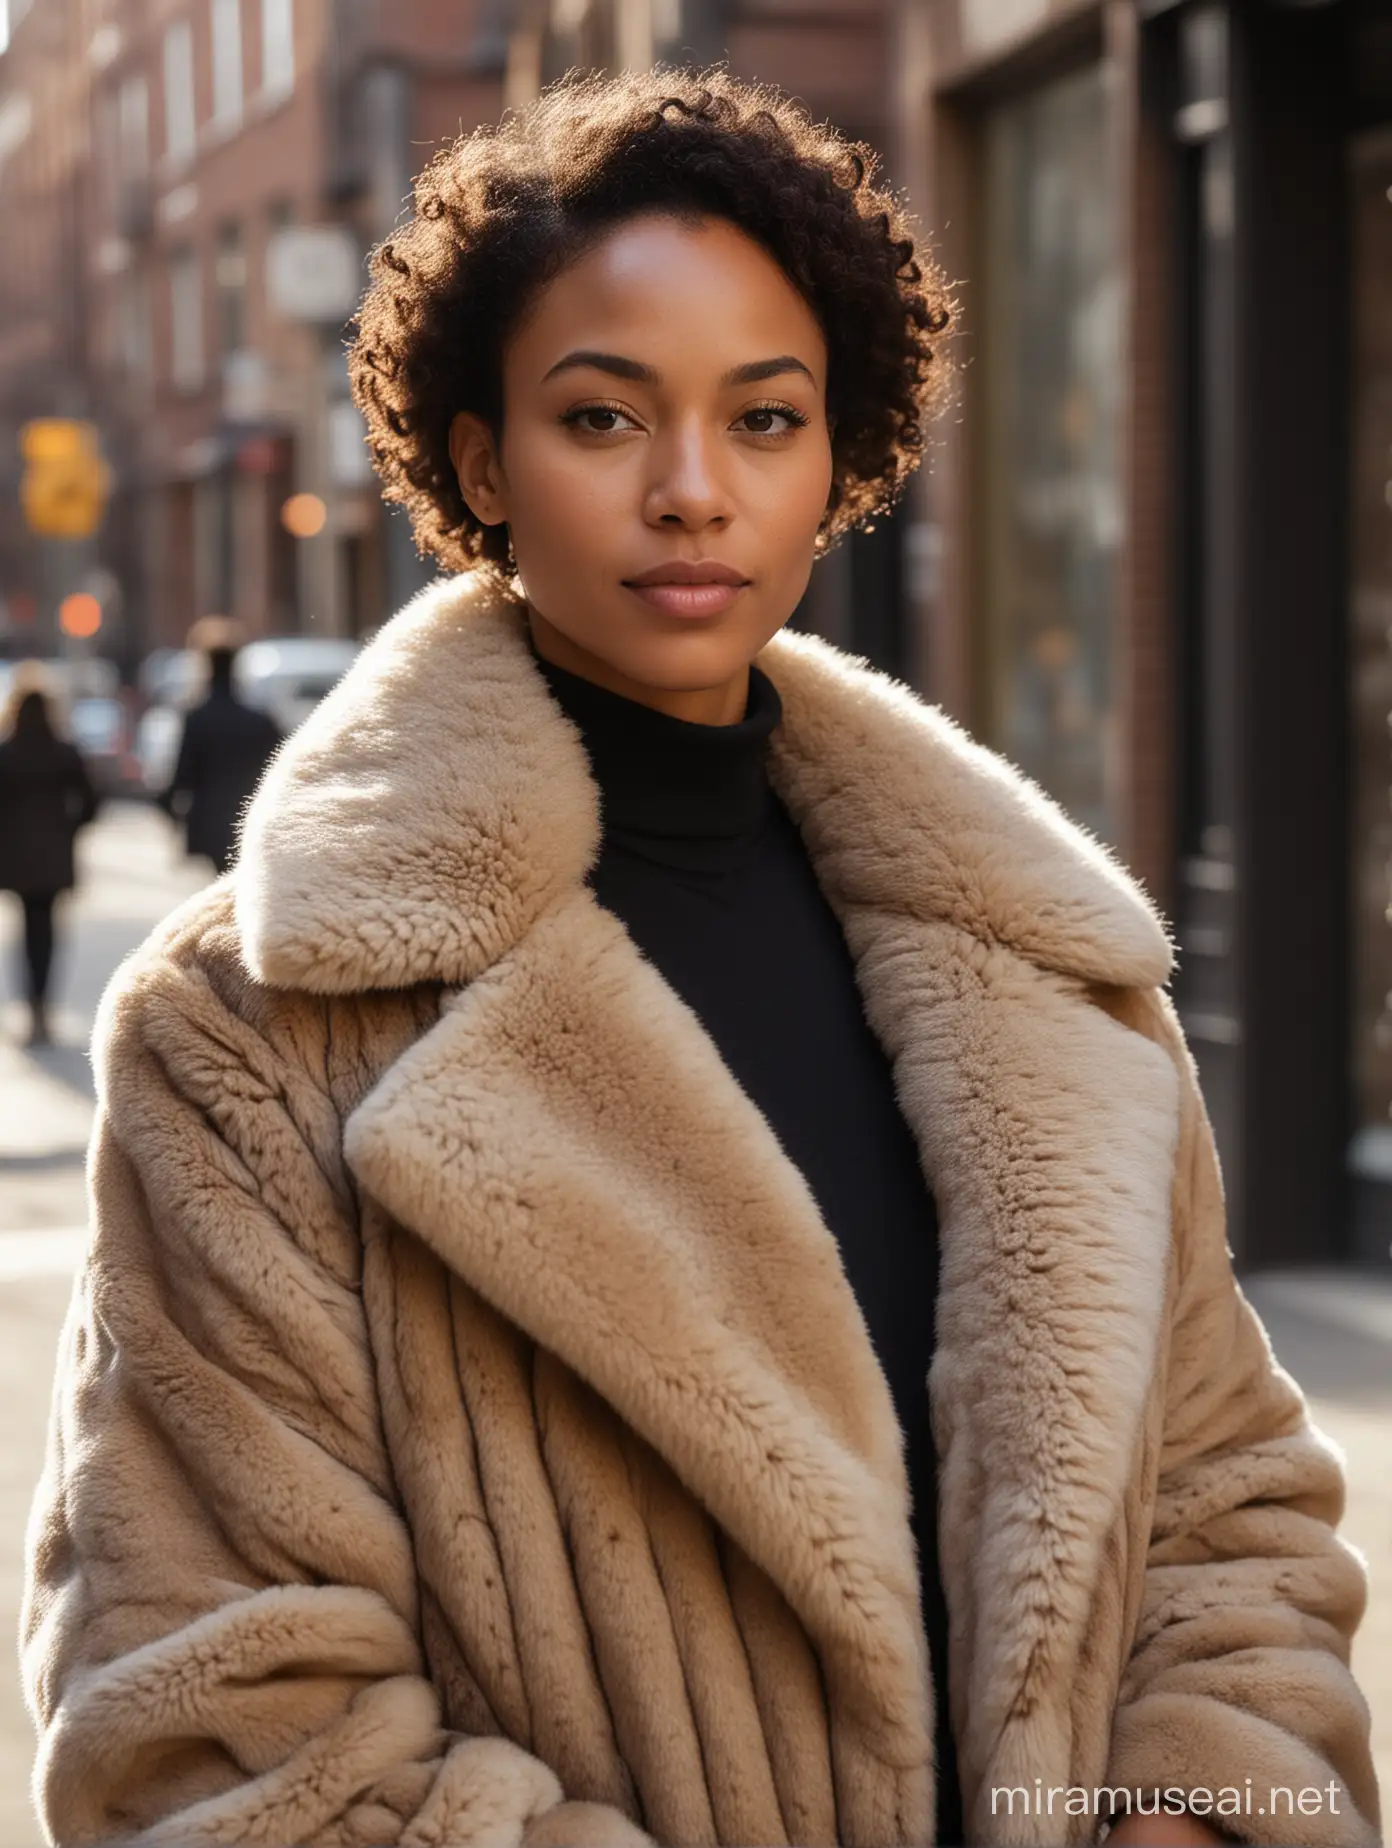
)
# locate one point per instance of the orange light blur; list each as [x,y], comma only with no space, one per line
[303,515]
[80,615]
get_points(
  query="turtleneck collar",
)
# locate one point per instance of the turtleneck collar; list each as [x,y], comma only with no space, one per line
[692,796]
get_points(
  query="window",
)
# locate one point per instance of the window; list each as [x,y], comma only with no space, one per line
[230,277]
[280,215]
[1051,493]
[186,321]
[136,349]
[226,21]
[277,47]
[16,120]
[180,123]
[16,11]
[133,128]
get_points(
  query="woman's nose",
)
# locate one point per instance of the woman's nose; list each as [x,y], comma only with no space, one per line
[687,485]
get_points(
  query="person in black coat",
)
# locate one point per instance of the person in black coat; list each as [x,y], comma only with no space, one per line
[46,795]
[226,744]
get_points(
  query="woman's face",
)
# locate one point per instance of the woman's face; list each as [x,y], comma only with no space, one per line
[664,408]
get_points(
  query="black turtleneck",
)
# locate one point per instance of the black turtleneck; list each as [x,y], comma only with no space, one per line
[708,872]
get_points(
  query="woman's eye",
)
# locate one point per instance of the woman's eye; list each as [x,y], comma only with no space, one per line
[609,420]
[772,420]
[598,419]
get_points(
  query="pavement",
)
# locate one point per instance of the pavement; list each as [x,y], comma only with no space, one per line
[1332,1330]
[131,872]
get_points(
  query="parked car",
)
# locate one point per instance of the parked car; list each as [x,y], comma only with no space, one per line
[94,715]
[170,677]
[157,746]
[71,678]
[100,728]
[285,676]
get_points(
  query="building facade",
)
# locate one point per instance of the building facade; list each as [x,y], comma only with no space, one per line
[223,166]
[45,81]
[1157,537]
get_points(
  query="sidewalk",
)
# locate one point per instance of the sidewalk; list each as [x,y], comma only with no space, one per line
[132,874]
[31,1312]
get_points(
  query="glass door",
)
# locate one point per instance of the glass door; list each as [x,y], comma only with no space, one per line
[1050,359]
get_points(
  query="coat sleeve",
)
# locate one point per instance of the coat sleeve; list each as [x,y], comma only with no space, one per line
[1240,1665]
[220,1638]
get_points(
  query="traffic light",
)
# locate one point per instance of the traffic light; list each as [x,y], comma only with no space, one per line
[65,484]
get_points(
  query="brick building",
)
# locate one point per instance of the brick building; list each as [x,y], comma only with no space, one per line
[44,165]
[159,153]
[195,139]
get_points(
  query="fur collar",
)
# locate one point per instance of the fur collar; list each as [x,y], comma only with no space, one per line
[438,802]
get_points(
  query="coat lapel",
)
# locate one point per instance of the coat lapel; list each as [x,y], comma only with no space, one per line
[1048,1131]
[569,1140]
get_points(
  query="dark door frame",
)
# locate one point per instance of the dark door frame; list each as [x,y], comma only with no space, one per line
[1260,123]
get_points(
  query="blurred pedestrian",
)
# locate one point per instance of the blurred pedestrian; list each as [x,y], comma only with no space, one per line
[226,744]
[46,795]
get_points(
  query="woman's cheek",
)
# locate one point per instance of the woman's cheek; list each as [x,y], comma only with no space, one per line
[581,495]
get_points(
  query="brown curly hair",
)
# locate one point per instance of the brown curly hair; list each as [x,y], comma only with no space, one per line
[500,212]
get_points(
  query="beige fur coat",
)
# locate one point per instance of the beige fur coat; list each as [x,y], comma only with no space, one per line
[465,1435]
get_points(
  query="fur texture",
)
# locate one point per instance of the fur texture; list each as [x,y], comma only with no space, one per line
[465,1433]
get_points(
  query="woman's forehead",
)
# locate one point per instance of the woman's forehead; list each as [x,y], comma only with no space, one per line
[676,296]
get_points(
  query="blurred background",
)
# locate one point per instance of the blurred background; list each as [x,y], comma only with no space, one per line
[1150,557]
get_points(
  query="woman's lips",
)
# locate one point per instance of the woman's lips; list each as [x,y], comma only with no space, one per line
[688,599]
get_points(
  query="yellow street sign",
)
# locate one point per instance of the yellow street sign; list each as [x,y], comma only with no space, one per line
[65,485]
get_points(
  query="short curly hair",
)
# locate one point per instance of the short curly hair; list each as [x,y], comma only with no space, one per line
[500,212]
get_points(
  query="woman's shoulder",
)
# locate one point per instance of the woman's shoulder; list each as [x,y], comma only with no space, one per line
[190,996]
[196,940]
[188,983]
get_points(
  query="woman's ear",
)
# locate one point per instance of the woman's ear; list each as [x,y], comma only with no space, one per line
[477,468]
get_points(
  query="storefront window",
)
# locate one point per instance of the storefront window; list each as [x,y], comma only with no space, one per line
[1370,610]
[1050,360]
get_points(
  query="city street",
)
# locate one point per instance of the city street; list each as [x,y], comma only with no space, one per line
[1335,1333]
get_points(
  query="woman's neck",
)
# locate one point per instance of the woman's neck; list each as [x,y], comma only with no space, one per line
[690,796]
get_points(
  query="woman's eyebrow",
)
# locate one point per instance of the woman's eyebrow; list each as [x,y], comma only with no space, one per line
[606,362]
[634,369]
[766,369]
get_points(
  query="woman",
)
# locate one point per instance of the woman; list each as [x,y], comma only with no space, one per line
[46,795]
[494,1408]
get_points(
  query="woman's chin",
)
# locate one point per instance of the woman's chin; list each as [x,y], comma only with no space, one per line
[696,654]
